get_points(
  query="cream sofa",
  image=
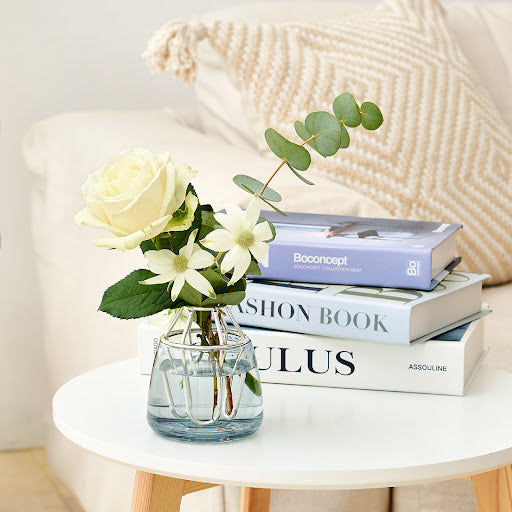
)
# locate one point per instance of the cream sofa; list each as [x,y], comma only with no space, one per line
[61,151]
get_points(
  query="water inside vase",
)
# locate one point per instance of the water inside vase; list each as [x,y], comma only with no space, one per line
[192,397]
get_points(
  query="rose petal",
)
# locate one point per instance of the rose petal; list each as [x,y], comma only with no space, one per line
[178,178]
[131,241]
[183,223]
[86,217]
[145,207]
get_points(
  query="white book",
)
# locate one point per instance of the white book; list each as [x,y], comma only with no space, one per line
[436,366]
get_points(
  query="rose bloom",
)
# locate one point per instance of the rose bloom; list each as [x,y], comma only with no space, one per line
[136,196]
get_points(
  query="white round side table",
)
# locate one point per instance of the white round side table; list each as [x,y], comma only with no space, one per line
[311,438]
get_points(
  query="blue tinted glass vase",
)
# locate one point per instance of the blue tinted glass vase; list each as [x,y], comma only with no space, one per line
[205,384]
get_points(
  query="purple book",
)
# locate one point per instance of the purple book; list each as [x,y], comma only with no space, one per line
[333,249]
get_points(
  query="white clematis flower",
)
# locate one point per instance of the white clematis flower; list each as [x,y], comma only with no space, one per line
[181,267]
[241,237]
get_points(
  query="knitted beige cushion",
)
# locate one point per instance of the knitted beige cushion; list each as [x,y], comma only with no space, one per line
[443,153]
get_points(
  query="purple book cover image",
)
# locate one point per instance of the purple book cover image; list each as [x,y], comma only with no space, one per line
[335,249]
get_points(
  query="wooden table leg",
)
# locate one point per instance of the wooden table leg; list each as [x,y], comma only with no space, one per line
[493,490]
[155,493]
[254,500]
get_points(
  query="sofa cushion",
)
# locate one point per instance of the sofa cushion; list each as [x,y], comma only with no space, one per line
[443,152]
[483,31]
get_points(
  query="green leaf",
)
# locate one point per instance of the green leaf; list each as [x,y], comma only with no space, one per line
[216,279]
[345,139]
[208,224]
[178,239]
[226,294]
[272,228]
[346,110]
[254,186]
[299,175]
[190,295]
[149,245]
[129,299]
[274,207]
[327,130]
[254,269]
[371,116]
[230,298]
[208,217]
[253,384]
[296,155]
[324,142]
[302,132]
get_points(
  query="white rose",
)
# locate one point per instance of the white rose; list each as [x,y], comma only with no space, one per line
[135,195]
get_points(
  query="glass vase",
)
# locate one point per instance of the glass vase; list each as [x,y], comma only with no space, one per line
[205,384]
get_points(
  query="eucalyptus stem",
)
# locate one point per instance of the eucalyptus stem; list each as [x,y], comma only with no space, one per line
[281,165]
[229,404]
[270,179]
[310,139]
[212,356]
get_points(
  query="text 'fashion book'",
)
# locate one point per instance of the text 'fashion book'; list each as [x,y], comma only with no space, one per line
[386,315]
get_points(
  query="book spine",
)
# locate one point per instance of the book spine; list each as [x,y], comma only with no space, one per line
[370,266]
[344,315]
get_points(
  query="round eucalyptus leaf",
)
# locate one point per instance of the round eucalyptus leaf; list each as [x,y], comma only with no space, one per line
[302,132]
[273,207]
[296,155]
[345,139]
[371,116]
[272,229]
[327,130]
[254,186]
[346,110]
[299,175]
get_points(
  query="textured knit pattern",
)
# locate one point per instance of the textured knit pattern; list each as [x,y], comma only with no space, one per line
[443,152]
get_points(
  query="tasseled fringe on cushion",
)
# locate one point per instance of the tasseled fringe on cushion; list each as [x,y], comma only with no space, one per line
[174,46]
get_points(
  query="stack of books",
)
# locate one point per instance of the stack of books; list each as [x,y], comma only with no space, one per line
[361,303]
